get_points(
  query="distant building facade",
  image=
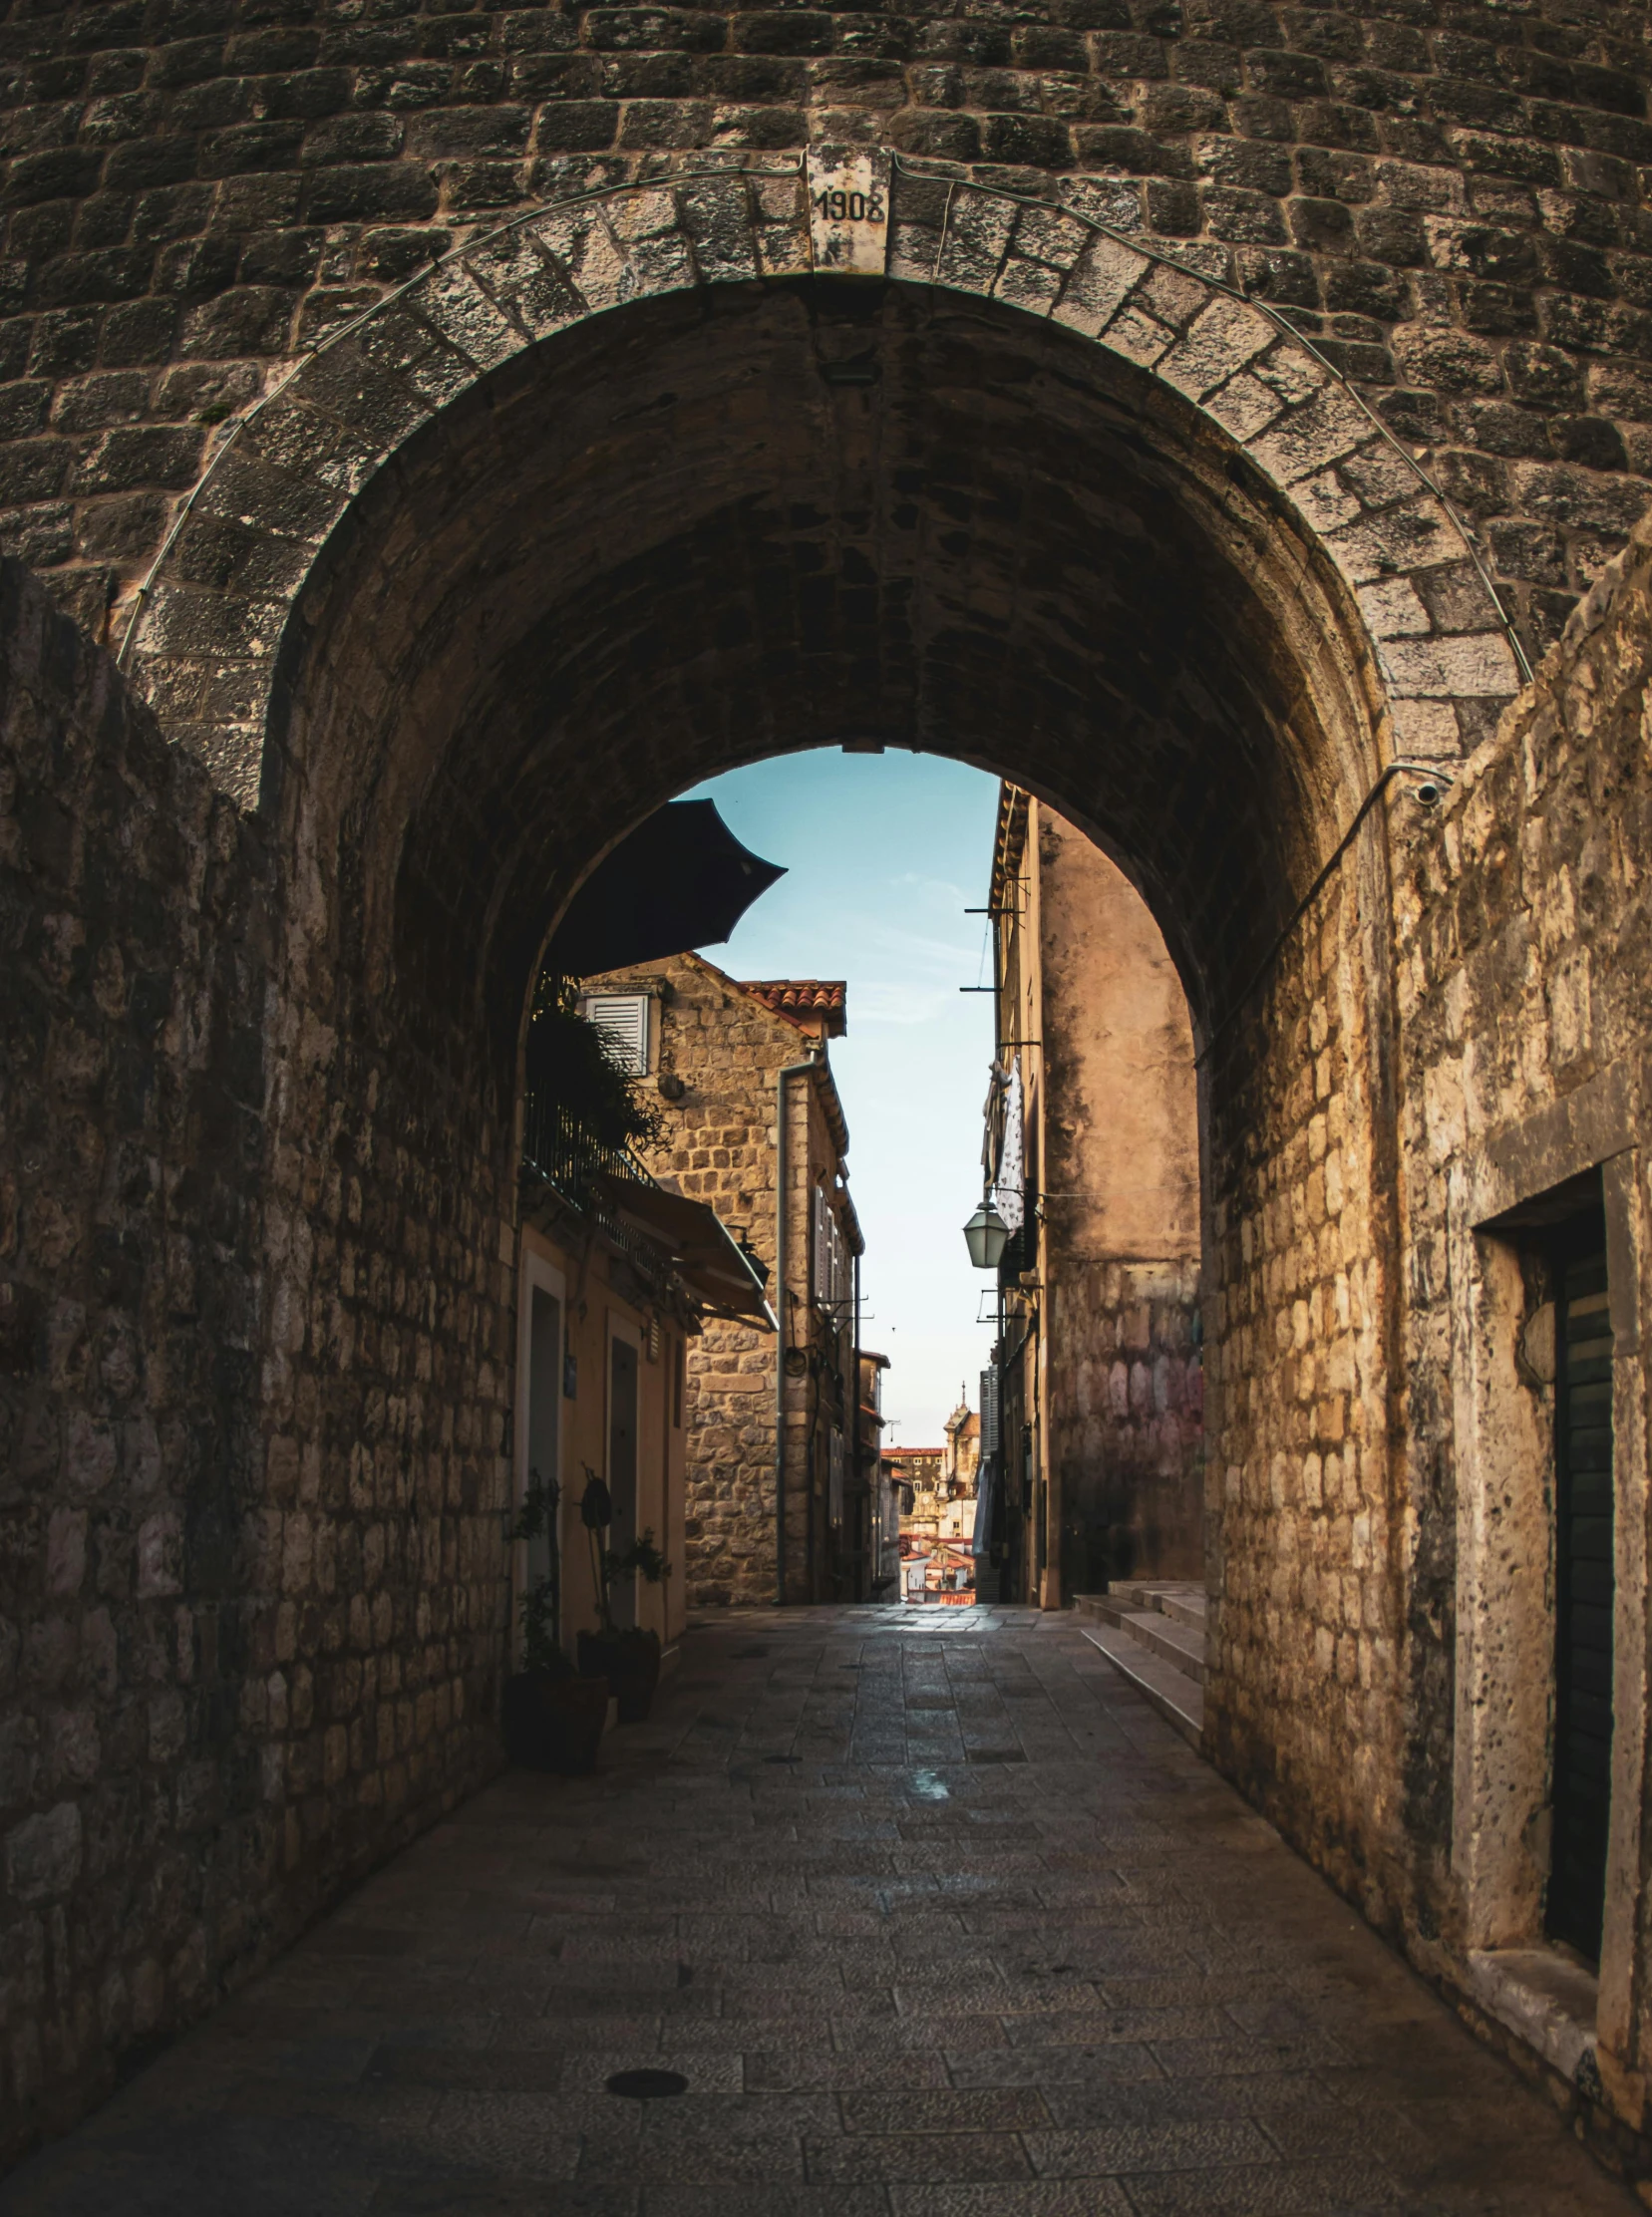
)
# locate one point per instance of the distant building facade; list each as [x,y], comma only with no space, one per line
[875,1485]
[937,1488]
[614,1278]
[752,1126]
[1091,1154]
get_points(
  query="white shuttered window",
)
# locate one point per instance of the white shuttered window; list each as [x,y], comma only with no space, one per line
[622,1019]
[831,1254]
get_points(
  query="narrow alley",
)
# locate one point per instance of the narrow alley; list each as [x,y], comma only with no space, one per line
[926,1913]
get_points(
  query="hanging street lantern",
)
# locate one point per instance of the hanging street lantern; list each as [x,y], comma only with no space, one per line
[986,1235]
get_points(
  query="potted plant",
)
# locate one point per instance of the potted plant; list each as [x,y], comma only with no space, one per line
[552,1715]
[626,1654]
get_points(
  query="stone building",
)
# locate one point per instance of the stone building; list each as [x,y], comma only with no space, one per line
[961,1457]
[468,432]
[916,1474]
[937,1488]
[1093,1161]
[940,1481]
[735,1064]
[615,1278]
[873,1476]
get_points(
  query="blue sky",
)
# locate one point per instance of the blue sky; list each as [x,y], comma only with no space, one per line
[883,855]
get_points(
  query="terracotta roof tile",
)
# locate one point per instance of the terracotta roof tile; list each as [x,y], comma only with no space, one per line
[805,999]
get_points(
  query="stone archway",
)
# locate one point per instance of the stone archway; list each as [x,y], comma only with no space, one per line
[630,492]
[206,631]
[633,492]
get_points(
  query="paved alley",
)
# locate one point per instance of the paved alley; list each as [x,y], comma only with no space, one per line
[932,1914]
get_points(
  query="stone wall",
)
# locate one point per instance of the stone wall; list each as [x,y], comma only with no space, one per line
[1447,201]
[1308,1707]
[512,651]
[1381,1482]
[1126,1416]
[1525,977]
[140,1846]
[253,1380]
[1119,1126]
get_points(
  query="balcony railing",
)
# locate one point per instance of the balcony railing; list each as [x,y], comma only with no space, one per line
[558,1149]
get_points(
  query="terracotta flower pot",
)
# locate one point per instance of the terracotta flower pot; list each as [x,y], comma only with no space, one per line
[553,1723]
[630,1663]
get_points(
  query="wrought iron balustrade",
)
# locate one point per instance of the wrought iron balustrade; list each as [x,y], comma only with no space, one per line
[560,1150]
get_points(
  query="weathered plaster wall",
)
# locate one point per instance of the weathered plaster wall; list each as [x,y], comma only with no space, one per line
[598,1289]
[1120,1127]
[1121,1121]
[1127,1409]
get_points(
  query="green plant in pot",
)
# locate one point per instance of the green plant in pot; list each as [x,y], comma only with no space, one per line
[552,1715]
[626,1654]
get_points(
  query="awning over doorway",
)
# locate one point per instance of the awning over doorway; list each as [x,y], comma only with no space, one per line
[681,879]
[698,1241]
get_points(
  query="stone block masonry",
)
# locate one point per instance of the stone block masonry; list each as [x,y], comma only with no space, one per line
[1450,206]
[720,1147]
[139,1841]
[233,1670]
[1523,970]
[625,498]
[720,1049]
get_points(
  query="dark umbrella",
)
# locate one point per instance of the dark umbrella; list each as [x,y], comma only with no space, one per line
[681,879]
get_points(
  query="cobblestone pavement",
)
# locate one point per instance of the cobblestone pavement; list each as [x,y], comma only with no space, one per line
[934,1916]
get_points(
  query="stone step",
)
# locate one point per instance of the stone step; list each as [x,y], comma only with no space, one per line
[1103,1608]
[1178,1643]
[1178,1699]
[1135,1610]
[1188,1609]
[1184,1603]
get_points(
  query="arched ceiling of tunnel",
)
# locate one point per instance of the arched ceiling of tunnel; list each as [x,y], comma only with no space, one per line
[718,528]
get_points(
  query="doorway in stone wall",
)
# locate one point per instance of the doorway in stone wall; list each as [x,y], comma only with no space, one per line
[1543,1481]
[936,940]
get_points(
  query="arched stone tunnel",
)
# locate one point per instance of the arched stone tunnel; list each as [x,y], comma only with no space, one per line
[672,535]
[1238,404]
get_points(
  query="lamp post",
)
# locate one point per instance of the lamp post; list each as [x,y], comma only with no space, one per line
[986,1235]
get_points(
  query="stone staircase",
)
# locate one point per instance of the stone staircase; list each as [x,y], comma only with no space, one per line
[1153,1631]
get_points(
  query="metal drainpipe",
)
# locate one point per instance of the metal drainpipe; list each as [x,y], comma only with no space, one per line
[782,1317]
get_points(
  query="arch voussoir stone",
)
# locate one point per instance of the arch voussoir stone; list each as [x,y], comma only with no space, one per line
[1300,424]
[225,586]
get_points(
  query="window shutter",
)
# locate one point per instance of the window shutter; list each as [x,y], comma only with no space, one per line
[622,1019]
[989,1412]
[831,1254]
